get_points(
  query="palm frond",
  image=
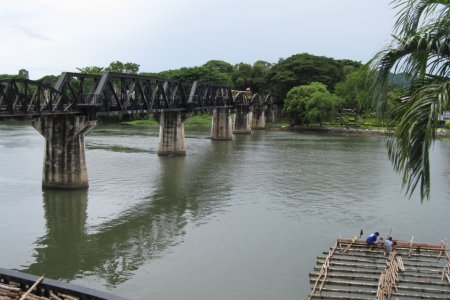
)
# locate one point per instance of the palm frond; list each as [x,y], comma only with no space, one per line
[412,12]
[416,128]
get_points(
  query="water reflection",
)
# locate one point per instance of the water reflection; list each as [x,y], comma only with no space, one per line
[117,248]
[59,253]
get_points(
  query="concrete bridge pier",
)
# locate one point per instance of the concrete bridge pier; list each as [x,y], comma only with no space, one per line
[243,120]
[222,125]
[259,119]
[171,133]
[270,114]
[64,159]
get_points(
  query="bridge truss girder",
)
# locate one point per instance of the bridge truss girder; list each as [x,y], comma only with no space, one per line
[22,97]
[89,94]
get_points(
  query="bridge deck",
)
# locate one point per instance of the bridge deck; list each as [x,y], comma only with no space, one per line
[353,270]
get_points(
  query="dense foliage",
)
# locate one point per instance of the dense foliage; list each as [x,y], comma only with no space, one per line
[304,68]
[311,103]
[21,74]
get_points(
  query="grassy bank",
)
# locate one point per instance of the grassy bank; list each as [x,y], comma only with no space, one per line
[196,120]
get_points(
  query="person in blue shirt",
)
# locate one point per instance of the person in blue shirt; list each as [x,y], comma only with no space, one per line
[372,238]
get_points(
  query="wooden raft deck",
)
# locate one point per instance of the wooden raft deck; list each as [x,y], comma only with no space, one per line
[352,270]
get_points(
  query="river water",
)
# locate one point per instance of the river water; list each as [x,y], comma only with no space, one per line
[241,219]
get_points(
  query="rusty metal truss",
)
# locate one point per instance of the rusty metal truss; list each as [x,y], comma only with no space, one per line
[22,97]
[89,94]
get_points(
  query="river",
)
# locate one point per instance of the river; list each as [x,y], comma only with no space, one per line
[241,219]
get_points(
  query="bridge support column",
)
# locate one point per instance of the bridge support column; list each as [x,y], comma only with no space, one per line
[64,159]
[221,127]
[243,120]
[259,119]
[270,114]
[171,134]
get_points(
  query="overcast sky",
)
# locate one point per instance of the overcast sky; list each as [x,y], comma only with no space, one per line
[52,36]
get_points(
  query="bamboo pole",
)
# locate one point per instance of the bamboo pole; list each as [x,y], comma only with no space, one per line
[445,272]
[442,248]
[9,288]
[375,256]
[410,246]
[323,271]
[369,272]
[32,288]
[53,296]
[367,262]
[353,241]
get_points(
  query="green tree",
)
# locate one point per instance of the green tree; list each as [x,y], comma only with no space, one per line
[251,76]
[242,76]
[356,89]
[304,68]
[311,103]
[131,68]
[322,107]
[421,50]
[24,74]
[221,66]
[49,79]
[120,67]
[91,70]
[203,73]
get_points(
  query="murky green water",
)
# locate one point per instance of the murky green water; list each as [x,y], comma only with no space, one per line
[242,219]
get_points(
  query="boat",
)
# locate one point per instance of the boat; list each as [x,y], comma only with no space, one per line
[19,285]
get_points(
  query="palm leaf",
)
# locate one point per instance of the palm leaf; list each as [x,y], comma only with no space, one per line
[415,132]
[421,49]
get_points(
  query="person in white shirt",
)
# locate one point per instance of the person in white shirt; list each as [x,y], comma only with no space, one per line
[388,245]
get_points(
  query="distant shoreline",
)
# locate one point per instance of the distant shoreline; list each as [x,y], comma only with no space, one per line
[354,131]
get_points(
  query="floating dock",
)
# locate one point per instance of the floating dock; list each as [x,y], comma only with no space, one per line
[353,270]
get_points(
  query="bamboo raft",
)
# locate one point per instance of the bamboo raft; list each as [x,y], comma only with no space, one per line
[353,270]
[16,285]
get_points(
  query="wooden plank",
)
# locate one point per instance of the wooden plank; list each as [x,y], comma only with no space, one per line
[349,283]
[375,285]
[348,291]
[382,267]
[400,245]
[400,251]
[376,278]
[338,297]
[406,263]
[424,290]
[414,257]
[370,271]
[417,296]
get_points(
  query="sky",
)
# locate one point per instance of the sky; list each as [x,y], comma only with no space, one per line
[47,37]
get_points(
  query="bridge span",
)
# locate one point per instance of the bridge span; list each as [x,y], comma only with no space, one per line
[65,113]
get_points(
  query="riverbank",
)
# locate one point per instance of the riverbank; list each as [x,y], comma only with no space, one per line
[340,130]
[441,133]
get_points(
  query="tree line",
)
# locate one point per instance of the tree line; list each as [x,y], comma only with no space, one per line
[343,83]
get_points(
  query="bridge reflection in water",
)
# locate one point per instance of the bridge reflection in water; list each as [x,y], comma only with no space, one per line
[117,248]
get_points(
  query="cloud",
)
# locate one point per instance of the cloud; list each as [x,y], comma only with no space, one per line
[32,33]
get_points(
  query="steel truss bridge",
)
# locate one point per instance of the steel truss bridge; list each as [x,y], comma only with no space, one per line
[109,93]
